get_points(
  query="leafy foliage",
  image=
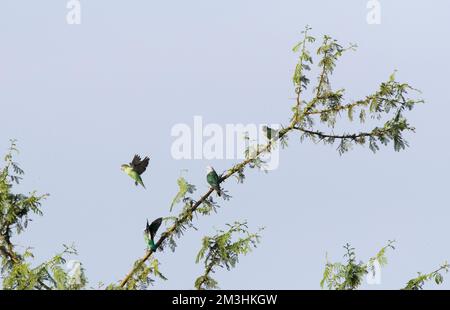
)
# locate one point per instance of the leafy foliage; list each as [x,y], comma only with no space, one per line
[16,268]
[437,275]
[50,275]
[142,278]
[222,250]
[349,275]
[184,188]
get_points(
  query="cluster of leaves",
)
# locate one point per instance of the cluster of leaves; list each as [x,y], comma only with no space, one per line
[255,161]
[49,275]
[17,271]
[184,189]
[349,275]
[437,275]
[303,65]
[14,208]
[389,101]
[223,250]
[143,277]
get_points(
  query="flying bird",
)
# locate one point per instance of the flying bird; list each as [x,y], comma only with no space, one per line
[136,168]
[150,232]
[213,179]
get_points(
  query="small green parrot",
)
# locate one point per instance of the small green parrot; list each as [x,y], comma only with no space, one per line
[136,168]
[150,232]
[271,133]
[213,180]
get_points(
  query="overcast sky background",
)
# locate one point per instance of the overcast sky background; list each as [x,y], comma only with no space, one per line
[82,99]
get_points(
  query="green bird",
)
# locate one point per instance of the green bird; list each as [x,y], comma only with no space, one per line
[271,133]
[150,232]
[213,179]
[136,168]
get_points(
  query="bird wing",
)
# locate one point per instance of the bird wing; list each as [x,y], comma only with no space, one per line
[139,165]
[147,228]
[213,178]
[154,226]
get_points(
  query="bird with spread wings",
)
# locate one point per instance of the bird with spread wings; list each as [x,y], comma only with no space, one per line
[150,232]
[136,168]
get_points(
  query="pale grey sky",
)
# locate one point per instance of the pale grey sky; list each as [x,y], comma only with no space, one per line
[82,99]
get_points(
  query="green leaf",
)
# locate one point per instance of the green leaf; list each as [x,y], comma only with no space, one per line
[183,188]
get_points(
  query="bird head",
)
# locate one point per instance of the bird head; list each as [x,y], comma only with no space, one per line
[123,167]
[209,169]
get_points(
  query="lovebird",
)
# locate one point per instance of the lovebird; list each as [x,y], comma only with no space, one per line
[136,168]
[150,232]
[213,179]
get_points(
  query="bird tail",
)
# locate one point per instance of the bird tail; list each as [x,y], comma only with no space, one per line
[140,182]
[219,191]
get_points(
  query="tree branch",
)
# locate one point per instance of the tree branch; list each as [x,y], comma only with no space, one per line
[354,136]
[330,53]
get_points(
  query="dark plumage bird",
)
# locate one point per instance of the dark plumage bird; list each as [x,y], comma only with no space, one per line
[150,232]
[136,168]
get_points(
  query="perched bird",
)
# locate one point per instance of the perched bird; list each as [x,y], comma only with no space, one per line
[150,232]
[213,179]
[136,168]
[271,133]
